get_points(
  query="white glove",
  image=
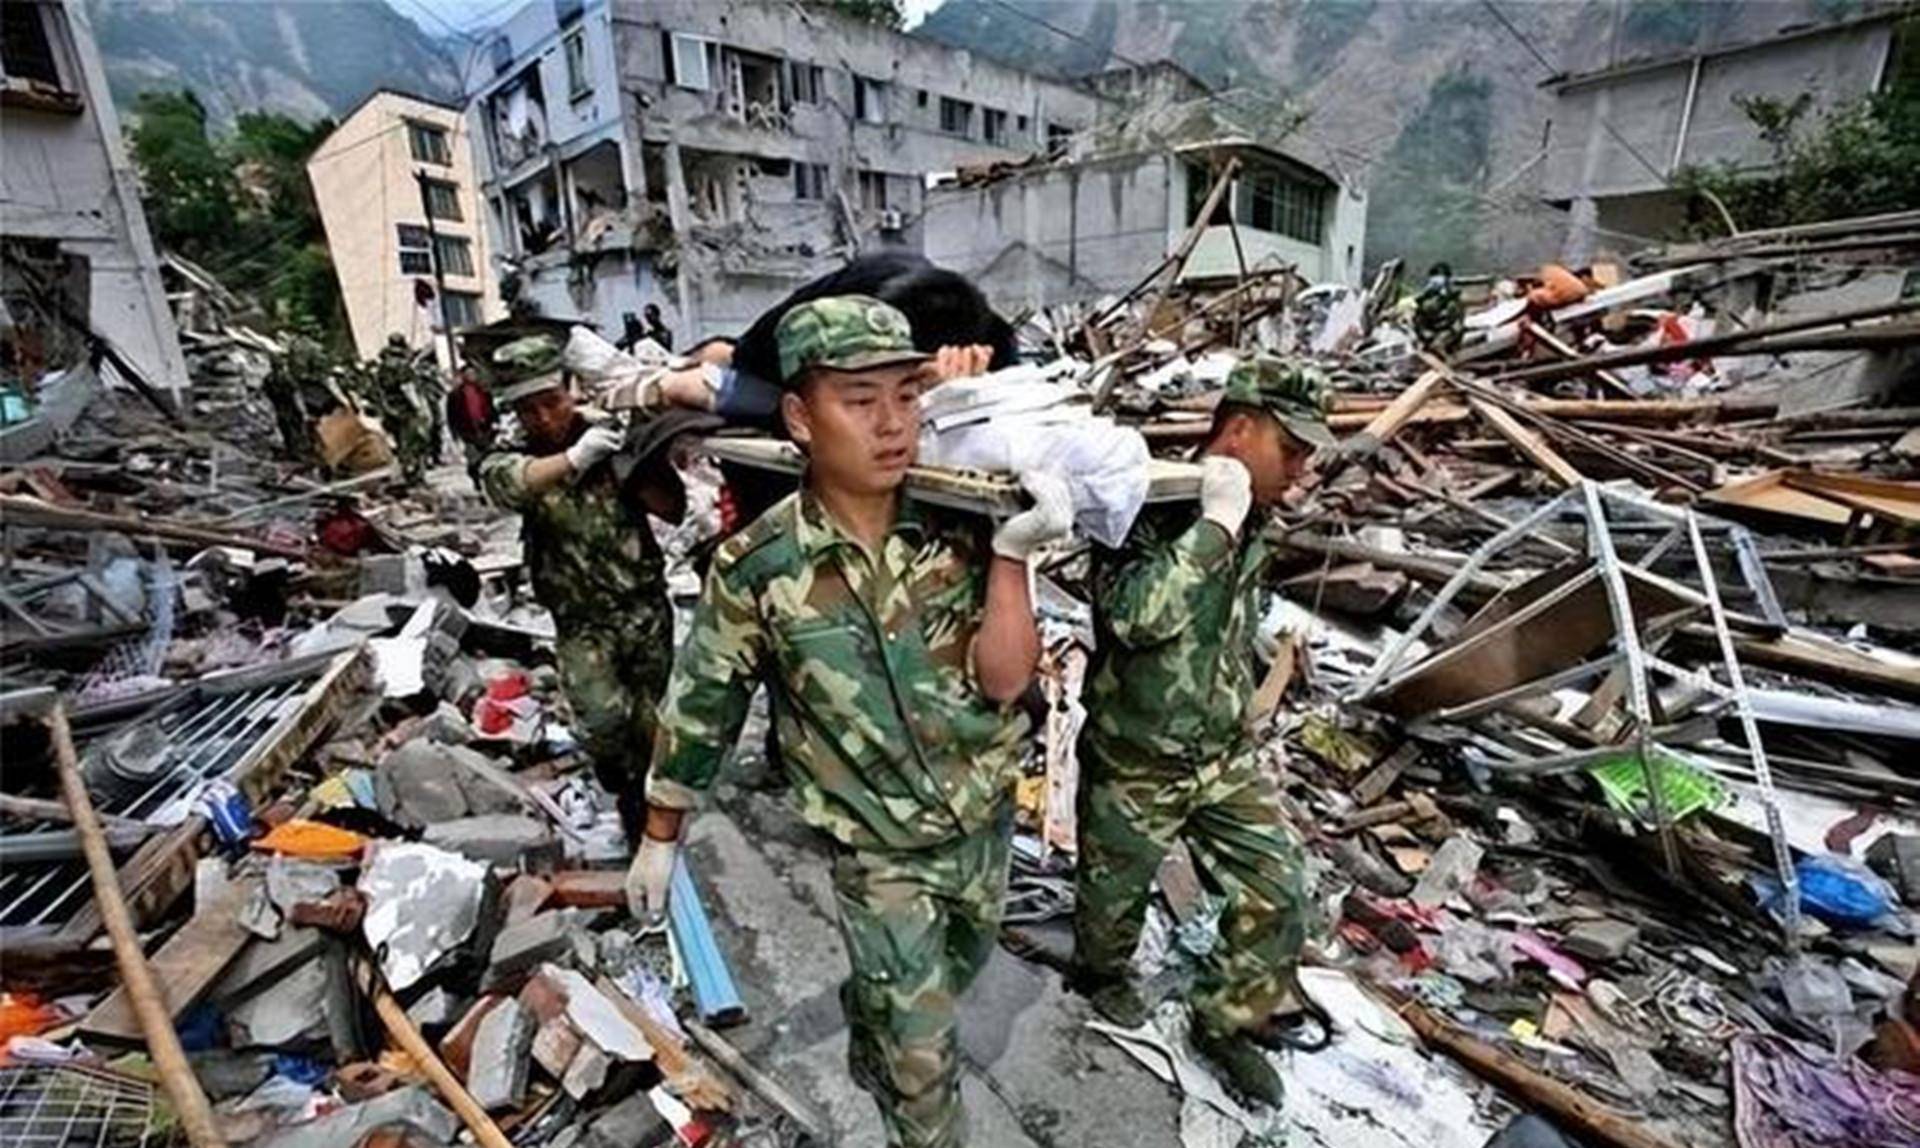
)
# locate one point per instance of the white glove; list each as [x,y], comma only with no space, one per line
[1047,520]
[1226,492]
[599,442]
[648,878]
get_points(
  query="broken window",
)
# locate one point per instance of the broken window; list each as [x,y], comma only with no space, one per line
[462,309]
[579,71]
[869,100]
[31,61]
[993,123]
[1199,183]
[1020,125]
[809,181]
[455,255]
[804,82]
[923,97]
[873,191]
[517,120]
[428,144]
[443,200]
[1272,200]
[26,50]
[500,54]
[1058,137]
[687,63]
[956,116]
[416,257]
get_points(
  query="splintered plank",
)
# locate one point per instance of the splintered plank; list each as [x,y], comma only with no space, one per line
[184,968]
[1533,446]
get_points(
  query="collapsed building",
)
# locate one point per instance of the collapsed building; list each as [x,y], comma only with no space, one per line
[79,279]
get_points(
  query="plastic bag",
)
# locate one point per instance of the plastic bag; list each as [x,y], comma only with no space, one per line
[1837,890]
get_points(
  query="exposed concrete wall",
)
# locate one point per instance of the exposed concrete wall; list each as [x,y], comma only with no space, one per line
[65,176]
[1058,233]
[1083,230]
[363,183]
[1625,133]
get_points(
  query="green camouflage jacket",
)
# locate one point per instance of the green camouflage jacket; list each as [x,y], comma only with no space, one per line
[1174,615]
[591,554]
[889,741]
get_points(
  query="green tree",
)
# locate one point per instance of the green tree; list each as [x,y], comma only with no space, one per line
[189,184]
[241,205]
[1860,158]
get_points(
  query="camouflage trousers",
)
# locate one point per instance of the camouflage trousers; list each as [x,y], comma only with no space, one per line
[1131,808]
[413,445]
[919,926]
[613,687]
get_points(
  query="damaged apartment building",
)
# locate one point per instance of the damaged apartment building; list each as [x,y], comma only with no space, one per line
[79,280]
[710,156]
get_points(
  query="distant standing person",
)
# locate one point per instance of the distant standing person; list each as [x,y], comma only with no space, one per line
[657,329]
[1166,752]
[592,557]
[896,638]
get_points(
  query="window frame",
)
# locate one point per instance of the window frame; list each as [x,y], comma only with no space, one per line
[989,118]
[416,130]
[455,243]
[579,65]
[467,299]
[452,192]
[965,108]
[62,93]
[676,75]
[414,239]
[872,187]
[869,100]
[809,177]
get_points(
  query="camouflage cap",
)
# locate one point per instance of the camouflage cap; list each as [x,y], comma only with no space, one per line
[525,367]
[843,333]
[1294,394]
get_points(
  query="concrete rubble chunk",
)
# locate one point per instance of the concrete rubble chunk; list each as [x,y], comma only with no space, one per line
[632,1123]
[262,964]
[597,1018]
[525,896]
[1896,857]
[1606,940]
[456,1048]
[498,1067]
[555,1045]
[413,1109]
[504,839]
[521,948]
[419,784]
[435,1010]
[291,1010]
[291,880]
[587,1073]
[422,903]
[1451,870]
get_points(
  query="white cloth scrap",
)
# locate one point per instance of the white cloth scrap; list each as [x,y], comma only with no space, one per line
[1019,420]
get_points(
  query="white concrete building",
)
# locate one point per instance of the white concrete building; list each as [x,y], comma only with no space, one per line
[386,231]
[1620,134]
[711,155]
[72,232]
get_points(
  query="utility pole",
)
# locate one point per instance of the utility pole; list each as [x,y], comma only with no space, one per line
[439,273]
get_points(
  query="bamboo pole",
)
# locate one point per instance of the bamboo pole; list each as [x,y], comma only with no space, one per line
[394,1016]
[149,1005]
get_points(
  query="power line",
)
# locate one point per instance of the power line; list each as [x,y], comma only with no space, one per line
[1552,68]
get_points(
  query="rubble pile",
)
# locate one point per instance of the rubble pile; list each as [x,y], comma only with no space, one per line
[1592,686]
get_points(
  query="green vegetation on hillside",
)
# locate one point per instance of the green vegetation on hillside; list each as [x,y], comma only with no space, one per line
[1427,206]
[240,205]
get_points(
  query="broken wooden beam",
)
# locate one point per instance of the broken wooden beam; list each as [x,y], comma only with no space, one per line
[1529,444]
[27,511]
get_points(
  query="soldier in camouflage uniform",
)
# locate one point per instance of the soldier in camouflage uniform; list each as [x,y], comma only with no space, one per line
[896,637]
[1439,317]
[299,390]
[406,396]
[1166,751]
[592,557]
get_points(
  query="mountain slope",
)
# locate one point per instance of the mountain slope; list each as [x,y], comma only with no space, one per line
[304,59]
